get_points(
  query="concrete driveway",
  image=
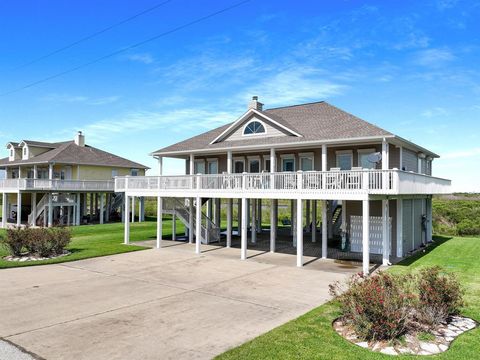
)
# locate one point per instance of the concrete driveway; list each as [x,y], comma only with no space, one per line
[152,304]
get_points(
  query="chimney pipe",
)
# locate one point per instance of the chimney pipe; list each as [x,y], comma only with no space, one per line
[255,104]
[80,139]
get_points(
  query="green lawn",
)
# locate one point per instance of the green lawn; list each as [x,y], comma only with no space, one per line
[311,336]
[99,240]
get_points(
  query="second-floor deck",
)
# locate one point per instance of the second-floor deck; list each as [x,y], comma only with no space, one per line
[314,184]
[48,185]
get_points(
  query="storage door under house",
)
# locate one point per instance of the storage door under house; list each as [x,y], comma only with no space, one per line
[376,234]
[407,225]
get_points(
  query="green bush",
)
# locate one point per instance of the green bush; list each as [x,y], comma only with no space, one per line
[456,216]
[43,242]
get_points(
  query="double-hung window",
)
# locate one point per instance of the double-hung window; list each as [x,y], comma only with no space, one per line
[344,159]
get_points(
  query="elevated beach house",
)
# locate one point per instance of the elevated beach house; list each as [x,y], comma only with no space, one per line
[351,187]
[63,183]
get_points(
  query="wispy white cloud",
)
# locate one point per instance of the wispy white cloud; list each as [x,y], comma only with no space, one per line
[67,98]
[474,152]
[435,112]
[434,57]
[144,58]
[446,4]
[293,86]
[181,120]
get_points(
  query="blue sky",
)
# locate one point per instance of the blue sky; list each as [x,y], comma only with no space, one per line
[411,67]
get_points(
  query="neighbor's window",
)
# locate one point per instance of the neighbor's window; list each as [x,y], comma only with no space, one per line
[267,165]
[254,127]
[199,167]
[134,172]
[24,151]
[114,173]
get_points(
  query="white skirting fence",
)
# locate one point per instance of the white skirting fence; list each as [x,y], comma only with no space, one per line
[376,233]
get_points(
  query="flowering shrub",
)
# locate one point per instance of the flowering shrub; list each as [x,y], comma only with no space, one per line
[440,295]
[377,307]
[384,306]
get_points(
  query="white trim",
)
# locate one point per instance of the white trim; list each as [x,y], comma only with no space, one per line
[295,144]
[254,134]
[245,115]
[265,159]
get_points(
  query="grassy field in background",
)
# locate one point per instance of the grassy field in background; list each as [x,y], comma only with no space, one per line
[311,336]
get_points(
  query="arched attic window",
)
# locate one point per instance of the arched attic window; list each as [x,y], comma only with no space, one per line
[254,127]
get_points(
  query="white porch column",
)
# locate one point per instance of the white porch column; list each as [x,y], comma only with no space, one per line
[299,233]
[324,230]
[366,236]
[126,239]
[229,223]
[295,224]
[191,231]
[133,209]
[273,223]
[159,221]
[102,203]
[69,215]
[50,210]
[314,221]
[77,213]
[4,210]
[243,246]
[160,166]
[198,232]
[34,209]
[399,228]
[19,208]
[229,162]
[254,221]
[141,209]
[191,164]
[385,164]
[385,233]
[50,171]
[35,172]
[273,161]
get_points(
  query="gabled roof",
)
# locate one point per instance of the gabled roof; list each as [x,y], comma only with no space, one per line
[70,153]
[233,126]
[314,122]
[40,144]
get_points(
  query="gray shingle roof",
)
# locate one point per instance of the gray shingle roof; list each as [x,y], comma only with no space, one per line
[70,153]
[319,121]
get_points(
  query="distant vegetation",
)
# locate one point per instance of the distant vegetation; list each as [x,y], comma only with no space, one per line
[457,214]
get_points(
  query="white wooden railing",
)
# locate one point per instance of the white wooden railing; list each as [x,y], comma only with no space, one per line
[347,182]
[56,185]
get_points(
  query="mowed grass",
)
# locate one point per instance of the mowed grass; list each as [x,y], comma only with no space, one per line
[311,336]
[99,240]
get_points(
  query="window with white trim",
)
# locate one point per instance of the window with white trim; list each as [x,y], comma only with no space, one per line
[363,158]
[199,167]
[306,162]
[114,173]
[254,165]
[238,166]
[212,165]
[134,172]
[344,160]
[254,127]
[288,163]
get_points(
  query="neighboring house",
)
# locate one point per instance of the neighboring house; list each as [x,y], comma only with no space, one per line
[373,184]
[48,183]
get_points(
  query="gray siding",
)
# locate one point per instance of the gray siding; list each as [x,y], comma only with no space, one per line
[407,225]
[410,160]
